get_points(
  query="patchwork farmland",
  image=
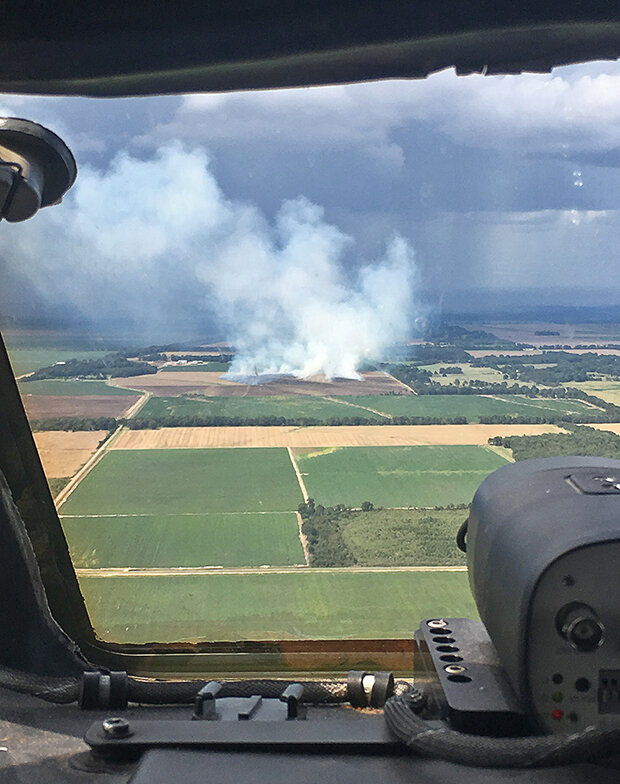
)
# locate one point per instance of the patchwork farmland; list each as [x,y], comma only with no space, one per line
[194,532]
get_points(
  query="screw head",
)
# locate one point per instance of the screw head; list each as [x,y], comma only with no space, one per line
[116,727]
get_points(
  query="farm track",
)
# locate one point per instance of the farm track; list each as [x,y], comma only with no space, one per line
[300,480]
[194,571]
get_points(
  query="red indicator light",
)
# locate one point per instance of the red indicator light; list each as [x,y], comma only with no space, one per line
[556,714]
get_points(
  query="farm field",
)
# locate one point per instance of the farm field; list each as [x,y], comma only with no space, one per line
[149,541]
[399,537]
[188,480]
[473,406]
[63,452]
[212,366]
[52,406]
[569,334]
[320,436]
[373,408]
[27,360]
[166,384]
[290,407]
[71,387]
[489,375]
[396,476]
[606,390]
[303,604]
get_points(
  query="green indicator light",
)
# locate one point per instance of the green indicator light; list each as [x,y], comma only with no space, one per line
[557,696]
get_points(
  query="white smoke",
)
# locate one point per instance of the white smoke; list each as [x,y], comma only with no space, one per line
[146,238]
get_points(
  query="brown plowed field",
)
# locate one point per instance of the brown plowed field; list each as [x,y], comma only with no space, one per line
[302,437]
[52,406]
[170,383]
[63,453]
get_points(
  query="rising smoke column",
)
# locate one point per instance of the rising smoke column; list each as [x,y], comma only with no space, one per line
[145,238]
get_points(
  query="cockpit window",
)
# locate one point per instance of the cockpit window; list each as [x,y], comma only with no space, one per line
[271,343]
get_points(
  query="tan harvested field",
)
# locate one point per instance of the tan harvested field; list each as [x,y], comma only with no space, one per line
[169,383]
[303,437]
[52,406]
[533,352]
[63,453]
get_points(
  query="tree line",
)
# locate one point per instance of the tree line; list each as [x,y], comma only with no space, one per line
[581,440]
[115,364]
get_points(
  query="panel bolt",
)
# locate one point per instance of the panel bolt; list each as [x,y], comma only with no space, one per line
[116,727]
[454,669]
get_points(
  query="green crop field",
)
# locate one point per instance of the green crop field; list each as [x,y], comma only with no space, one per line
[71,387]
[399,537]
[172,481]
[306,604]
[370,408]
[155,541]
[290,407]
[26,360]
[396,476]
[212,366]
[471,406]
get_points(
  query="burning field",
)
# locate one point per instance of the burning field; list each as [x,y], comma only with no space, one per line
[169,383]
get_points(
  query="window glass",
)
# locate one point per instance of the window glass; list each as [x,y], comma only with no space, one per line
[271,343]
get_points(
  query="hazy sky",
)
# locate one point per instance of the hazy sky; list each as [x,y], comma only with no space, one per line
[493,182]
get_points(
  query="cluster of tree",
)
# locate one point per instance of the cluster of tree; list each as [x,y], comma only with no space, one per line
[152,357]
[76,423]
[546,332]
[565,368]
[466,338]
[585,441]
[321,527]
[453,370]
[155,422]
[115,364]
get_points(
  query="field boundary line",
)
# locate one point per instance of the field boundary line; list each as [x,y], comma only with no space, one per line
[84,470]
[358,405]
[303,539]
[195,571]
[302,486]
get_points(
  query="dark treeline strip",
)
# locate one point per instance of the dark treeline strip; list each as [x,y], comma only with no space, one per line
[76,423]
[584,441]
[153,423]
[116,365]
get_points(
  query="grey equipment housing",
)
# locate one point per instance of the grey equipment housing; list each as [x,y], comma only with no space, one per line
[543,550]
[36,168]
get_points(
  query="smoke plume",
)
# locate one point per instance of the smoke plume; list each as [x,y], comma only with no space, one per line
[146,240]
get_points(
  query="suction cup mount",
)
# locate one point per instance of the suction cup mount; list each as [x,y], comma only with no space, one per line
[36,168]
